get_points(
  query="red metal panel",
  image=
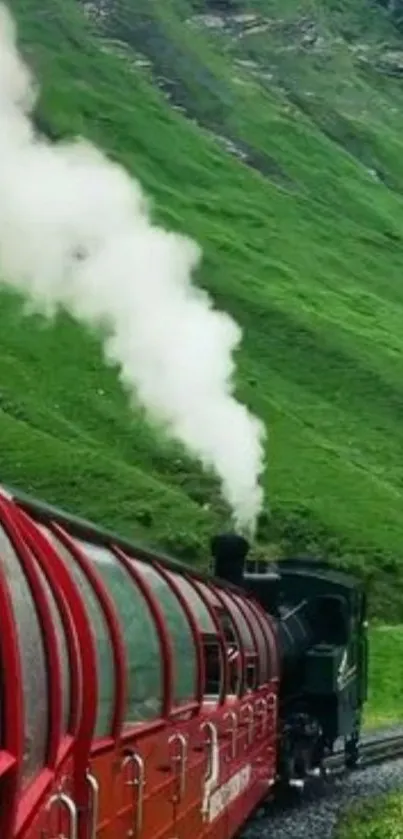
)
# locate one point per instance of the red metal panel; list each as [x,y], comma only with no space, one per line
[146,788]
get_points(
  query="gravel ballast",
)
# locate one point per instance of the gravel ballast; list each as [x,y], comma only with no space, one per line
[316,813]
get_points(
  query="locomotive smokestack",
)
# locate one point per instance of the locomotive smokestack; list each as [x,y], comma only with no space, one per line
[229,551]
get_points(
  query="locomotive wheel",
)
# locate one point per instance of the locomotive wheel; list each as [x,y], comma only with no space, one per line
[303,752]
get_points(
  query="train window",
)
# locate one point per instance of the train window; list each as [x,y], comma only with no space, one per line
[263,652]
[331,615]
[240,622]
[203,618]
[143,656]
[33,662]
[264,638]
[229,631]
[210,596]
[211,648]
[185,659]
[104,654]
[246,638]
[63,653]
[260,646]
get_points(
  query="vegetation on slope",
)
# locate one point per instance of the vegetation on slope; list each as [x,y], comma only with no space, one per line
[377,819]
[301,230]
[385,694]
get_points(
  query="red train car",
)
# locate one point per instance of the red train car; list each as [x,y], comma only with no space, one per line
[138,698]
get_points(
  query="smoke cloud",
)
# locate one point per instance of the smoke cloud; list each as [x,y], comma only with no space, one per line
[76,233]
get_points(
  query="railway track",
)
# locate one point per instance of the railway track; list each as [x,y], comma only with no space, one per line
[315,810]
[372,752]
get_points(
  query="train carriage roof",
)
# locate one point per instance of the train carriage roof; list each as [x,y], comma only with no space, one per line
[83,529]
[87,530]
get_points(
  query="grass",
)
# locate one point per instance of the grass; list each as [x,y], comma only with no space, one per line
[385,696]
[376,819]
[303,246]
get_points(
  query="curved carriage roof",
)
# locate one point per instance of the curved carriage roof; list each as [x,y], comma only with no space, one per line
[84,529]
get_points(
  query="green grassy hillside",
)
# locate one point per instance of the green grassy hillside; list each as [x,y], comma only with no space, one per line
[372,819]
[385,695]
[274,140]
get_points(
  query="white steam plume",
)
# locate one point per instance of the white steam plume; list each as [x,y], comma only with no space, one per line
[75,232]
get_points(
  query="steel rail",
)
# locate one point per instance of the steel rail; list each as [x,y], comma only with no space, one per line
[371,753]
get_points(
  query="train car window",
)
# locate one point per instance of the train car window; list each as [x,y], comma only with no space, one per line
[210,596]
[201,613]
[33,662]
[246,639]
[331,614]
[63,652]
[211,649]
[232,652]
[240,622]
[231,635]
[185,658]
[262,650]
[104,654]
[143,656]
[266,652]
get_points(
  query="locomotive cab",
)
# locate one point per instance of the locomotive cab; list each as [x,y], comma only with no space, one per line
[320,615]
[324,649]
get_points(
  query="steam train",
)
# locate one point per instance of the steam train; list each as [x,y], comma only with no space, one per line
[142,698]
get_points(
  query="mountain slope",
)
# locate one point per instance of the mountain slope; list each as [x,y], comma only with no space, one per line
[284,163]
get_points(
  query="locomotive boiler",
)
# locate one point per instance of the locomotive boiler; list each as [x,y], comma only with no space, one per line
[320,617]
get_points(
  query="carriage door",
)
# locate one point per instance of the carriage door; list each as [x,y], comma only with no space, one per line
[46,804]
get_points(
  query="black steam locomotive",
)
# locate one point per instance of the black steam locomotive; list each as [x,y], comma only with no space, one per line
[321,617]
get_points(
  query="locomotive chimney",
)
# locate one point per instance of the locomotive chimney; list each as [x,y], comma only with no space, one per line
[229,551]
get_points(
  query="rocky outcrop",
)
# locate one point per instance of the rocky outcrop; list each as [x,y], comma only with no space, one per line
[304,31]
[390,63]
